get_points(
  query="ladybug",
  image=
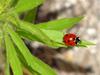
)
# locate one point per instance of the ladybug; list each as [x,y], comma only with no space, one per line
[71,39]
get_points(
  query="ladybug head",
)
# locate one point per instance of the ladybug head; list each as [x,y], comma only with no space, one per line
[77,40]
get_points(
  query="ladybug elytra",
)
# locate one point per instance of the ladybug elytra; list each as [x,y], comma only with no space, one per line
[71,39]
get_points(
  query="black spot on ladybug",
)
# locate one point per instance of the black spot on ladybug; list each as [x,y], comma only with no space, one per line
[66,35]
[73,38]
[68,40]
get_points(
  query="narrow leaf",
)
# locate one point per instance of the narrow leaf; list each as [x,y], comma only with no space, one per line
[57,41]
[54,35]
[27,35]
[61,24]
[31,15]
[83,42]
[7,67]
[24,63]
[1,38]
[36,32]
[30,29]
[24,5]
[36,64]
[1,41]
[12,56]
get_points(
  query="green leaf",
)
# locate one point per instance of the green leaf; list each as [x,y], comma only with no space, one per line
[32,30]
[61,24]
[24,63]
[83,42]
[81,45]
[1,38]
[55,36]
[14,2]
[36,64]
[0,41]
[12,56]
[36,32]
[24,5]
[7,67]
[31,15]
[27,35]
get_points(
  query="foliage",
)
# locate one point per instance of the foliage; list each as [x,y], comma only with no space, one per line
[13,30]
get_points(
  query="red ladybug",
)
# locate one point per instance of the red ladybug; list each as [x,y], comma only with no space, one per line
[71,39]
